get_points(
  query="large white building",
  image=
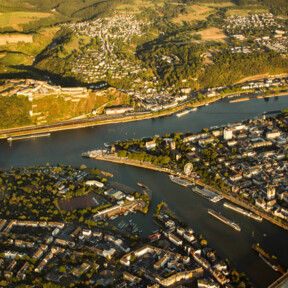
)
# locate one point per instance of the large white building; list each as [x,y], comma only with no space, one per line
[228,134]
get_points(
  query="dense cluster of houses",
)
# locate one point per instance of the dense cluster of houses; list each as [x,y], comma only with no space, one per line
[104,63]
[237,24]
[184,259]
[75,252]
[271,33]
[251,158]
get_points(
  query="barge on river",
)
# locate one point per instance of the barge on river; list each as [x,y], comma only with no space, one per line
[179,181]
[182,113]
[21,137]
[224,219]
[211,196]
[243,211]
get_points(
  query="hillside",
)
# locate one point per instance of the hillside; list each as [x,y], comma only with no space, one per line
[146,47]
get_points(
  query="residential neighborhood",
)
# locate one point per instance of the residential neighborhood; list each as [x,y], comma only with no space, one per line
[94,250]
[265,30]
[104,63]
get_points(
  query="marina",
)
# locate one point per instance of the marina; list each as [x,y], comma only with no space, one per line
[243,211]
[225,220]
[209,195]
[180,181]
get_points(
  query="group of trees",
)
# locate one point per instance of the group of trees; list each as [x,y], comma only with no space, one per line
[14,112]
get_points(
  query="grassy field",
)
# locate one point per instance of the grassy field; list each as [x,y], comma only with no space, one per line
[212,34]
[195,12]
[138,5]
[11,59]
[16,19]
[15,38]
[24,51]
[248,11]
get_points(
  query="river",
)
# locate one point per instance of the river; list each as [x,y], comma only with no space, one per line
[66,147]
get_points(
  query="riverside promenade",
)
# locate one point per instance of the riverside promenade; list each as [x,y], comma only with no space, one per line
[226,194]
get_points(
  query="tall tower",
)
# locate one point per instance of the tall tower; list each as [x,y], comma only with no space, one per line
[271,192]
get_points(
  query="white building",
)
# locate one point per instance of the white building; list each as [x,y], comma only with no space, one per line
[228,134]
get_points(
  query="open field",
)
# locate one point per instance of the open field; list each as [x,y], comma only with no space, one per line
[79,202]
[16,19]
[16,59]
[195,12]
[15,38]
[248,11]
[212,34]
[137,6]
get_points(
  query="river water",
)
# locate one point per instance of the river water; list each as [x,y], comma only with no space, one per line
[66,147]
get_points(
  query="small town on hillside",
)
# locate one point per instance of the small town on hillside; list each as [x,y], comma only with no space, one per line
[104,62]
[90,248]
[265,30]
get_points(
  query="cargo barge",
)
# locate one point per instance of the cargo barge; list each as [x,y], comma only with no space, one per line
[268,259]
[243,211]
[211,196]
[224,219]
[179,181]
[12,138]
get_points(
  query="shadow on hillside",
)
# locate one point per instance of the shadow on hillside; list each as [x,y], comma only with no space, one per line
[30,72]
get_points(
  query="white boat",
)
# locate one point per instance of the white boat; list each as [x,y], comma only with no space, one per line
[182,113]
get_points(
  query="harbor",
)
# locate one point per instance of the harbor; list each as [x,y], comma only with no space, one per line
[242,211]
[225,220]
[209,195]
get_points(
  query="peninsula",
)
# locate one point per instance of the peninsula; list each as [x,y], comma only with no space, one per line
[243,162]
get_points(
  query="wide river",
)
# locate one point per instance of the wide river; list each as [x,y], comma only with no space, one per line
[66,147]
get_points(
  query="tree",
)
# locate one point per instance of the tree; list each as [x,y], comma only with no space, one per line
[62,269]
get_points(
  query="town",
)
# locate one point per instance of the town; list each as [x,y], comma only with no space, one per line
[243,161]
[87,248]
[267,32]
[103,62]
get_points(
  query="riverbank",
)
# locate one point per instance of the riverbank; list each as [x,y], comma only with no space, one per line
[259,97]
[106,120]
[97,121]
[224,194]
